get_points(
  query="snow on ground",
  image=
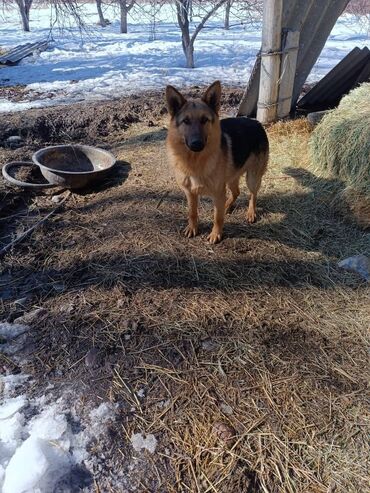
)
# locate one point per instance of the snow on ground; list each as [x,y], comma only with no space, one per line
[42,439]
[103,64]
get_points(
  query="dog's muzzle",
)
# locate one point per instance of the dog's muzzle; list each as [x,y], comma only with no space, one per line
[195,145]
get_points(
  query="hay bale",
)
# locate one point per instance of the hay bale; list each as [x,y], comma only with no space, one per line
[340,146]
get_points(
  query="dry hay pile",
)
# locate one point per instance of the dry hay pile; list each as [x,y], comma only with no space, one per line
[340,146]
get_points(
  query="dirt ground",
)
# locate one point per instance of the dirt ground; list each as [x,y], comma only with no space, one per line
[261,336]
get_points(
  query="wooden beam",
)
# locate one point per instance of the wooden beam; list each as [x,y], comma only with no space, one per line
[270,61]
[248,103]
[287,72]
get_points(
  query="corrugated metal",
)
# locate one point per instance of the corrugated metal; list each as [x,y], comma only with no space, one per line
[349,72]
[22,51]
[315,19]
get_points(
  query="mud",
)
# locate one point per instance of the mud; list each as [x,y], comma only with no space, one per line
[93,123]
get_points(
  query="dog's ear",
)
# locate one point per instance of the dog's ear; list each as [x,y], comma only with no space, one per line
[175,100]
[212,96]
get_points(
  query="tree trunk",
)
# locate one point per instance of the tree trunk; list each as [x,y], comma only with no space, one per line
[183,8]
[189,54]
[123,18]
[227,15]
[102,22]
[125,9]
[24,9]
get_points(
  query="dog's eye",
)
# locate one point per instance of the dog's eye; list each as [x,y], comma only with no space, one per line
[203,120]
[186,121]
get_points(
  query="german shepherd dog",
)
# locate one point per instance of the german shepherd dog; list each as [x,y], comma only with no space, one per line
[210,155]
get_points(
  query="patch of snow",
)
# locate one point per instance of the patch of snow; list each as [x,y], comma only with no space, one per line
[36,454]
[12,406]
[141,393]
[10,331]
[163,404]
[37,465]
[42,439]
[140,442]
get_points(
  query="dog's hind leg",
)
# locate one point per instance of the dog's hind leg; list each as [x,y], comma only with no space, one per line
[254,178]
[233,186]
[191,229]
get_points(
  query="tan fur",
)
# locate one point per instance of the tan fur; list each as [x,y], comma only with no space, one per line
[212,170]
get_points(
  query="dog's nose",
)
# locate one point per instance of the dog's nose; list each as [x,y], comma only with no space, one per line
[196,145]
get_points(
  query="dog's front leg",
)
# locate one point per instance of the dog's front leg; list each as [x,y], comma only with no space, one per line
[191,229]
[219,215]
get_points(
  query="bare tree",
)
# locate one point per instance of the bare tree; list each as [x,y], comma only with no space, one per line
[64,10]
[227,14]
[361,10]
[183,8]
[125,7]
[102,21]
[243,12]
[24,10]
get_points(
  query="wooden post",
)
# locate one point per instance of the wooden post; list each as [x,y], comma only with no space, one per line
[248,103]
[270,61]
[287,72]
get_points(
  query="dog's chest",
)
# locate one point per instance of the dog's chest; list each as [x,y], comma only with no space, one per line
[198,185]
[195,185]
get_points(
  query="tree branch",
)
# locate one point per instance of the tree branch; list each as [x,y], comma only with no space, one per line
[205,19]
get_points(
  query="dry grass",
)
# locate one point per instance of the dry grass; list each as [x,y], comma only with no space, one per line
[262,332]
[340,147]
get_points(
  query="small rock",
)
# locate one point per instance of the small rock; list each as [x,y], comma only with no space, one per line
[13,141]
[209,345]
[225,433]
[357,263]
[93,358]
[315,117]
[14,138]
[226,409]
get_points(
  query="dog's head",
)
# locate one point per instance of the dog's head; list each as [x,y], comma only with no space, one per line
[194,119]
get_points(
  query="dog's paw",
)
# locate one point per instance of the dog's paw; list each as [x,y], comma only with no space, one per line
[190,231]
[251,216]
[214,237]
